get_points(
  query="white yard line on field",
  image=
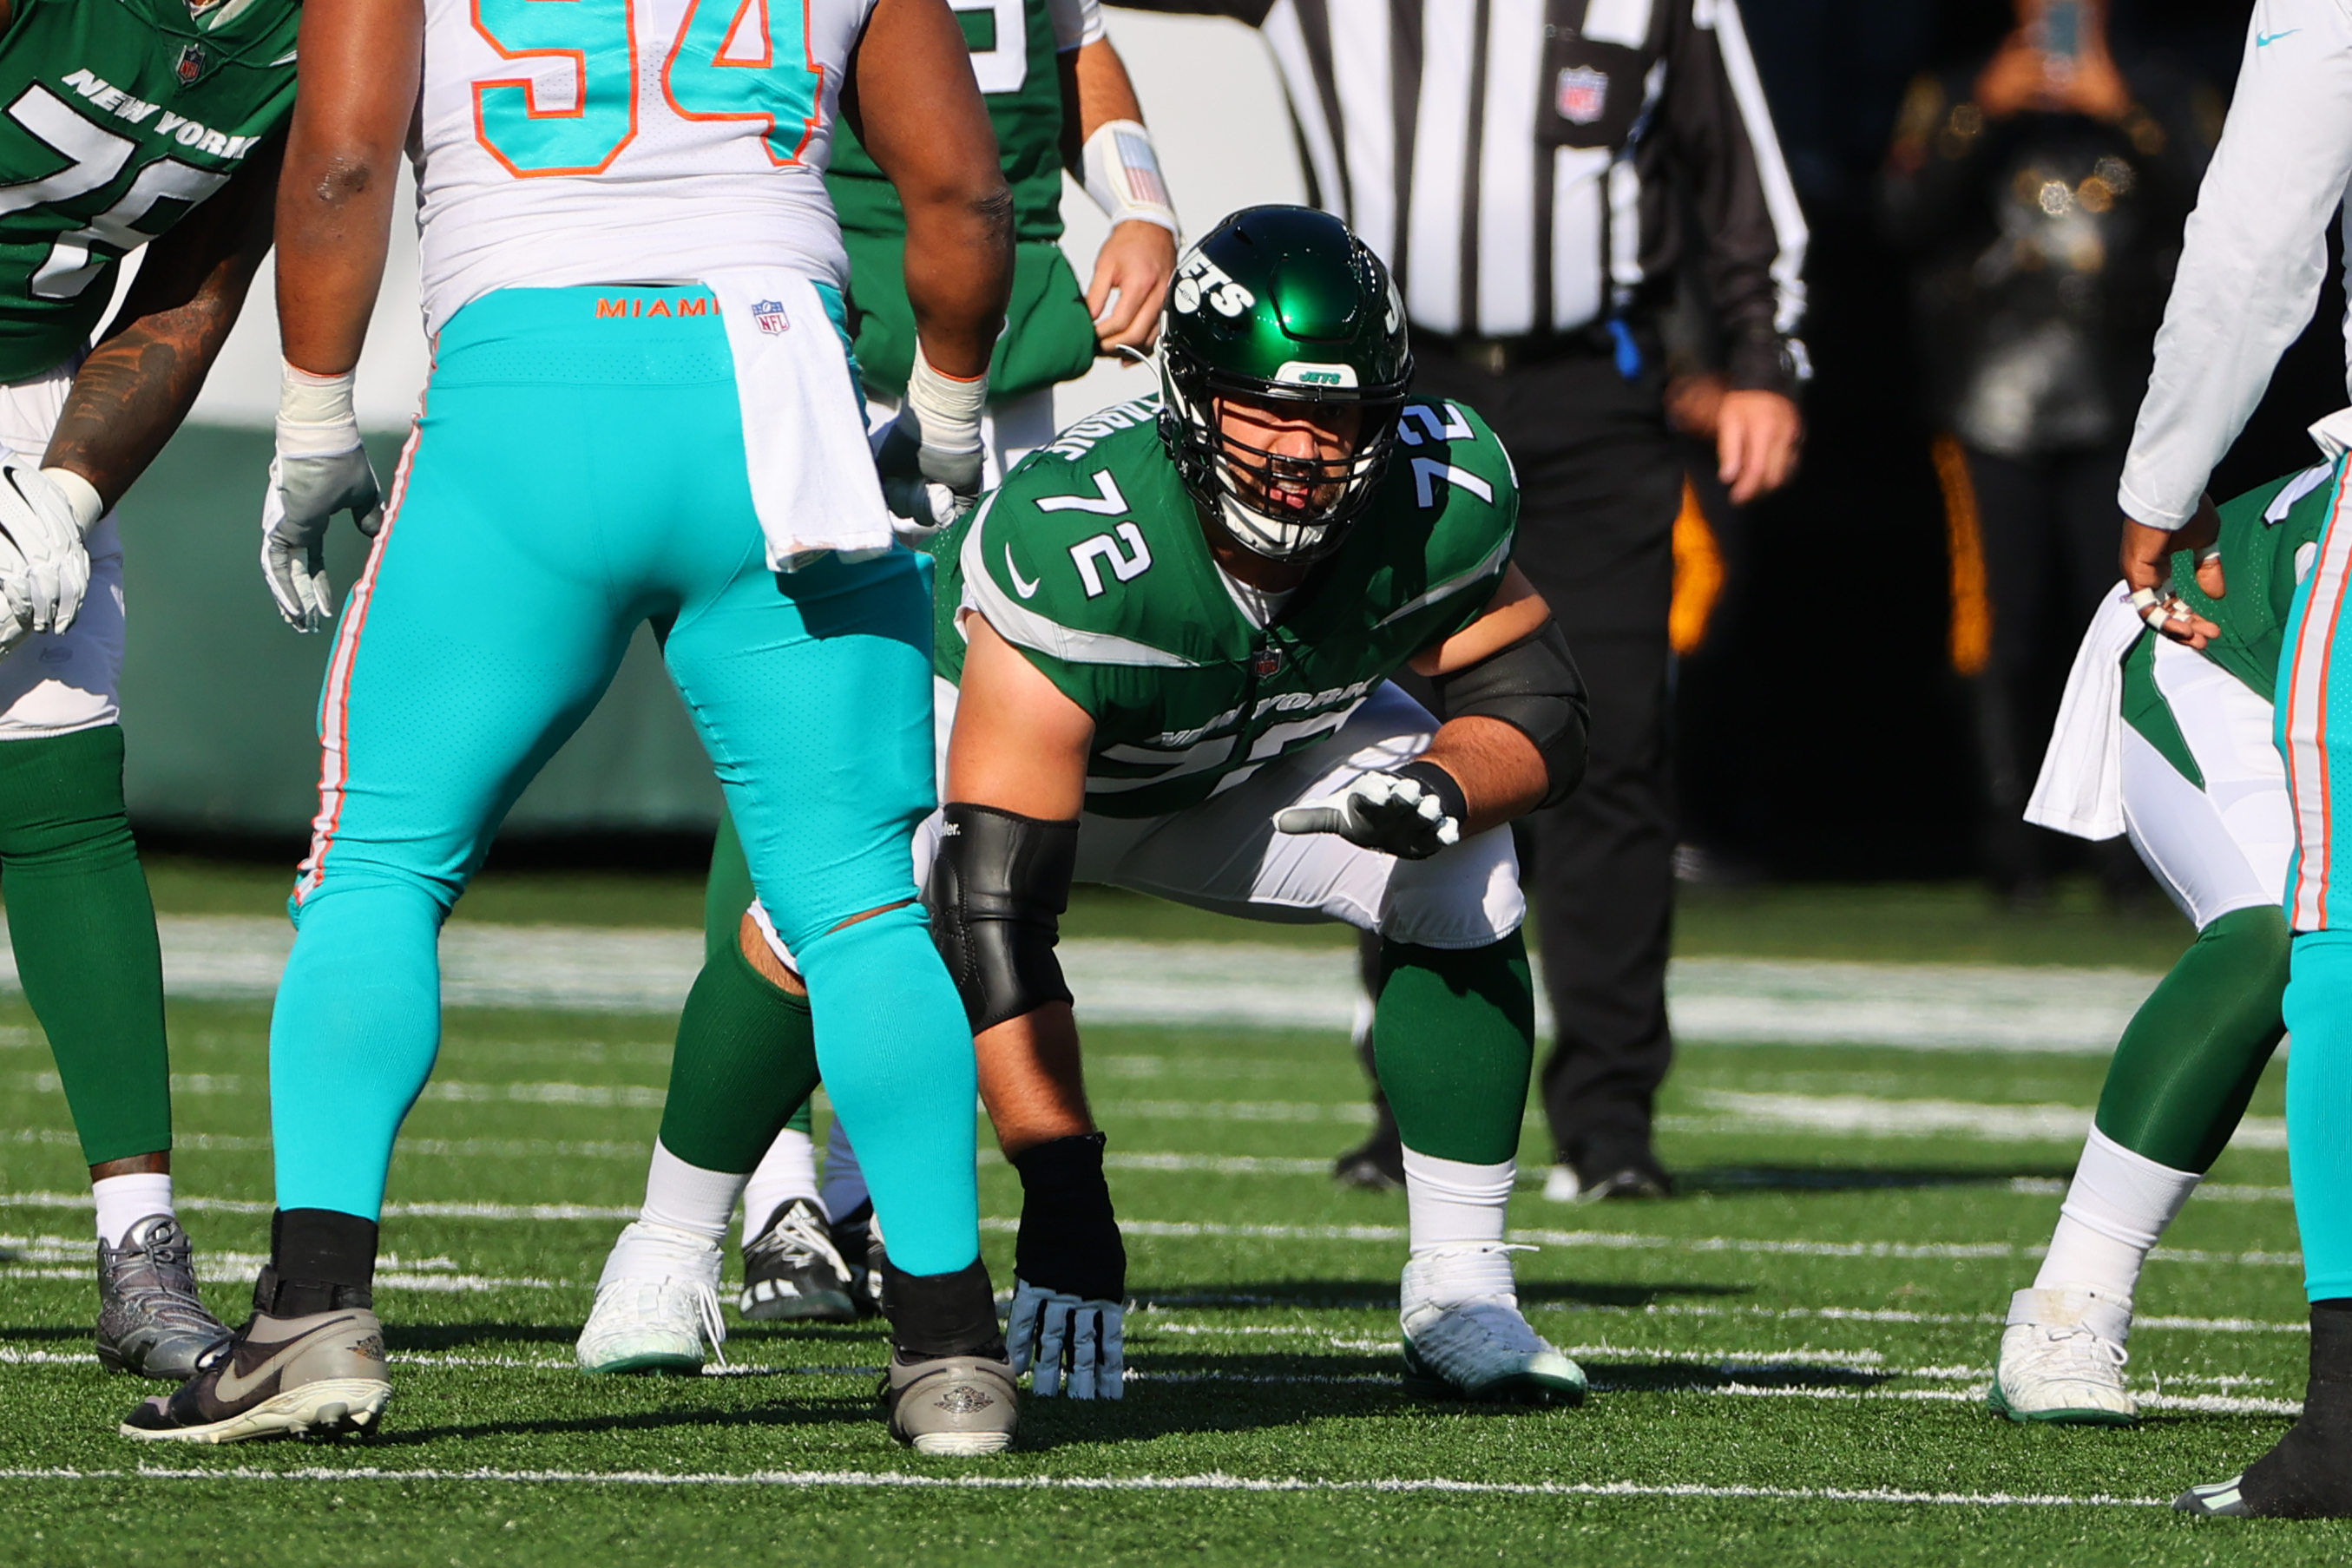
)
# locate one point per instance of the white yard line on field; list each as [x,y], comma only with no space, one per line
[649,969]
[1211,1483]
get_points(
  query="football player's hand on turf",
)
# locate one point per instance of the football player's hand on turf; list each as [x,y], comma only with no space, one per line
[305,493]
[1407,813]
[44,568]
[1075,1347]
[1135,264]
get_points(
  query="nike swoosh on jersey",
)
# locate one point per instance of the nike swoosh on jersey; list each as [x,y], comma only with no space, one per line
[1020,585]
[2265,40]
[235,1385]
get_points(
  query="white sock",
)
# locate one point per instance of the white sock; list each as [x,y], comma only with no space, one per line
[689,1198]
[787,1171]
[124,1200]
[844,1183]
[2116,1207]
[1453,1203]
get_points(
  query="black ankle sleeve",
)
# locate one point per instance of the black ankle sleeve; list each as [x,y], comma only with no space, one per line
[319,1260]
[1069,1238]
[941,1314]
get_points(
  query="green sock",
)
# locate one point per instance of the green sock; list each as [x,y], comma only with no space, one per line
[2190,1056]
[746,1058]
[83,926]
[1455,1034]
[728,893]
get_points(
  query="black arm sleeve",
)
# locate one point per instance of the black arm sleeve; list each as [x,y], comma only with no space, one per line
[996,896]
[1726,159]
[1533,687]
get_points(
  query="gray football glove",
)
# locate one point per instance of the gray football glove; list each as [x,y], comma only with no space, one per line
[1076,1346]
[305,494]
[44,568]
[1411,813]
[929,456]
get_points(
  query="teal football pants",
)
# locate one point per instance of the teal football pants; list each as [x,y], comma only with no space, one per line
[573,474]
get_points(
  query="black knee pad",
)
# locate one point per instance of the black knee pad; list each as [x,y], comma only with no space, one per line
[996,896]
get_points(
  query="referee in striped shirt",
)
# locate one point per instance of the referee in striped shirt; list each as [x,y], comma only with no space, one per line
[1537,174]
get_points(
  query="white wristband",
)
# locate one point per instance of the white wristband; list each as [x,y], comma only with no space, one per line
[315,418]
[1123,175]
[80,494]
[946,411]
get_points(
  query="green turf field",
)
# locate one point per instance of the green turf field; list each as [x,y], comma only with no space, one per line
[1787,1361]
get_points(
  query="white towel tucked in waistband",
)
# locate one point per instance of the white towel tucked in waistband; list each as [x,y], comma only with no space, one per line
[2081,788]
[813,480]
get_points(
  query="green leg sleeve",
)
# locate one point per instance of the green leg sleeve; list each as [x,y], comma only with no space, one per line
[2190,1056]
[727,894]
[84,930]
[725,897]
[1455,1037]
[802,1121]
[746,1058]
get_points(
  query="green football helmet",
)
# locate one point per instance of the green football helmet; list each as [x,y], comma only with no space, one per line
[1281,305]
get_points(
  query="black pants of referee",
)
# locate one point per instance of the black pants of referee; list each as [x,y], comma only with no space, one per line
[1600,485]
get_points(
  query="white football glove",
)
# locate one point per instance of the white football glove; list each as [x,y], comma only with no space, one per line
[44,568]
[321,468]
[929,456]
[1068,1339]
[1411,813]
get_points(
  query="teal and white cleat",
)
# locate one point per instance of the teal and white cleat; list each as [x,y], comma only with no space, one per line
[656,1304]
[1477,1346]
[2062,1360]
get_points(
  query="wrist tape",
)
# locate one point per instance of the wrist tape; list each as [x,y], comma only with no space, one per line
[1123,175]
[946,411]
[315,417]
[80,494]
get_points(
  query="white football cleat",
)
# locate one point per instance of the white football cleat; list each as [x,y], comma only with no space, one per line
[1476,1344]
[656,1304]
[2062,1360]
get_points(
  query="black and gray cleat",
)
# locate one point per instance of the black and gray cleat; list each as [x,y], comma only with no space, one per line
[151,1320]
[2308,1475]
[792,1271]
[952,1405]
[320,1374]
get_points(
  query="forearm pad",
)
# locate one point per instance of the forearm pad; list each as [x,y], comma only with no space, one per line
[996,896]
[1533,687]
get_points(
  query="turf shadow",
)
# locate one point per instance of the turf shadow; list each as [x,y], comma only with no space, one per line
[445,1337]
[1359,1295]
[1728,1179]
[1666,1376]
[860,1409]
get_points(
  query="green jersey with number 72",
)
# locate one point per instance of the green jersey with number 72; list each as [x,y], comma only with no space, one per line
[1090,559]
[120,116]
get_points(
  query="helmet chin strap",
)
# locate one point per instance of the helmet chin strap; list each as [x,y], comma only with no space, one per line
[1271,537]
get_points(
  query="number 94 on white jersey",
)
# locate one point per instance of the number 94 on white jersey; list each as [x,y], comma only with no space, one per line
[606,140]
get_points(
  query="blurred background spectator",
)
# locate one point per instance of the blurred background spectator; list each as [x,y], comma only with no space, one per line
[2040,192]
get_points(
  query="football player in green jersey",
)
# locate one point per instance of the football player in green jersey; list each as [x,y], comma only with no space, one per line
[1058,97]
[2166,734]
[1162,653]
[129,123]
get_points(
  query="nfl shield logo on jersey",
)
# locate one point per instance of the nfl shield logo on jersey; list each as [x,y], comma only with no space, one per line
[1266,662]
[191,64]
[770,314]
[1583,94]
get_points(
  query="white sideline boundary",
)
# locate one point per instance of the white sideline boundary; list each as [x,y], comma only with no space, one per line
[1213,1481]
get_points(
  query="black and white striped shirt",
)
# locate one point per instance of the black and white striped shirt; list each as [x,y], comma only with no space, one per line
[1532,166]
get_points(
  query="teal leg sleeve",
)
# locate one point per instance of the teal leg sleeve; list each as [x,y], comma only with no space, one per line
[1454,1032]
[2188,1060]
[2319,1108]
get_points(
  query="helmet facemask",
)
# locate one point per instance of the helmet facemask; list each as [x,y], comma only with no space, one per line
[1246,487]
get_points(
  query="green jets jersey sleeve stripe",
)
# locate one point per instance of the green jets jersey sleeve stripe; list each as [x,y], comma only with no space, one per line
[1018,624]
[1497,559]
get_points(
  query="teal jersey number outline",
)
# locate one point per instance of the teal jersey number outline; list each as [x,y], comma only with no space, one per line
[778,84]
